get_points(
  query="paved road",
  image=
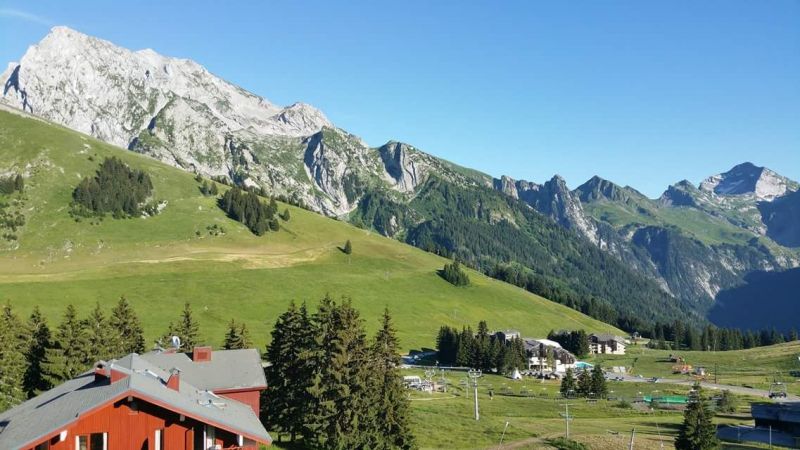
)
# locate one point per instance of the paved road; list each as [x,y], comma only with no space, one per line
[712,386]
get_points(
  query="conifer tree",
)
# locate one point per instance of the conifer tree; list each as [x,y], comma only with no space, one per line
[697,431]
[244,336]
[285,216]
[237,337]
[568,385]
[69,354]
[339,415]
[515,357]
[231,337]
[289,371]
[12,359]
[213,190]
[584,383]
[599,382]
[348,247]
[466,348]
[100,338]
[38,341]
[187,329]
[390,402]
[129,337]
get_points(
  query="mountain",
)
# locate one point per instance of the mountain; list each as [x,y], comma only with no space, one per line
[703,240]
[602,248]
[191,251]
[765,300]
[176,111]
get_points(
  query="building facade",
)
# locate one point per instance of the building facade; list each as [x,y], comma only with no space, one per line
[155,401]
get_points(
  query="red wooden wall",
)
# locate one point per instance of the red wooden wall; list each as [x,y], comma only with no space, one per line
[134,428]
[250,398]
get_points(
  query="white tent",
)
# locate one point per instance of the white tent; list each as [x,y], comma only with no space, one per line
[515,375]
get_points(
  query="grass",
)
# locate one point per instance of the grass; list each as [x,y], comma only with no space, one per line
[755,367]
[160,262]
[708,229]
[446,420]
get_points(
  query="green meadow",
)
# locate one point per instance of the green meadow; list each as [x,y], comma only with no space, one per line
[160,262]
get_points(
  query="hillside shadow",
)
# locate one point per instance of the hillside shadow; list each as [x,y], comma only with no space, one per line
[765,300]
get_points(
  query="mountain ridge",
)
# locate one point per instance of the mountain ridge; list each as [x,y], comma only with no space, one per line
[692,241]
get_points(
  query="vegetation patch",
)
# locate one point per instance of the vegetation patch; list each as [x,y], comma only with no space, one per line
[116,189]
[249,209]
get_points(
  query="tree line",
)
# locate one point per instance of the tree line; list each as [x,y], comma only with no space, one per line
[116,189]
[331,385]
[679,336]
[588,383]
[479,350]
[575,342]
[35,358]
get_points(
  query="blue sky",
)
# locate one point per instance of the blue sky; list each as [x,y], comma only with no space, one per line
[642,93]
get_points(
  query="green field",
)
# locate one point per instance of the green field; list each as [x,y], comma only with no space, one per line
[446,421]
[160,262]
[755,367]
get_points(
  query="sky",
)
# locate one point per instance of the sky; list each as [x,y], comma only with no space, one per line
[642,93]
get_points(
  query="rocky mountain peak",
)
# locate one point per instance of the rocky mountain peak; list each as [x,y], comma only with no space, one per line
[748,179]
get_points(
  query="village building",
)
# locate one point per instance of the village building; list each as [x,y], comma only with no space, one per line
[545,355]
[155,401]
[606,344]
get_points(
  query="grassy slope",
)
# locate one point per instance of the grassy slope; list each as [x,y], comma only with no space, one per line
[160,262]
[708,229]
[756,367]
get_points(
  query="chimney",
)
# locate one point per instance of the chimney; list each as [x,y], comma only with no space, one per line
[105,371]
[201,354]
[174,381]
[102,371]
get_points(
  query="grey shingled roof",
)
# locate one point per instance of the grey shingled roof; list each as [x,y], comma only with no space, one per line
[52,411]
[605,337]
[228,369]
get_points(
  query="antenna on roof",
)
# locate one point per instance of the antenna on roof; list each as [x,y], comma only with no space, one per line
[176,342]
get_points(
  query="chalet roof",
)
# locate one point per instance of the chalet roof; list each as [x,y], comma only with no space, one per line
[50,412]
[605,337]
[227,369]
[546,342]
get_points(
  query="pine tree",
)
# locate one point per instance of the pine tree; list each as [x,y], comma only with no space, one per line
[568,384]
[340,415]
[38,342]
[12,359]
[100,337]
[289,372]
[483,359]
[187,329]
[244,336]
[129,337]
[348,247]
[585,387]
[515,356]
[231,337]
[466,348]
[599,382]
[69,354]
[237,337]
[285,216]
[390,402]
[213,190]
[697,431]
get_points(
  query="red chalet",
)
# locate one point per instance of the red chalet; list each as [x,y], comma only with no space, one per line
[157,401]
